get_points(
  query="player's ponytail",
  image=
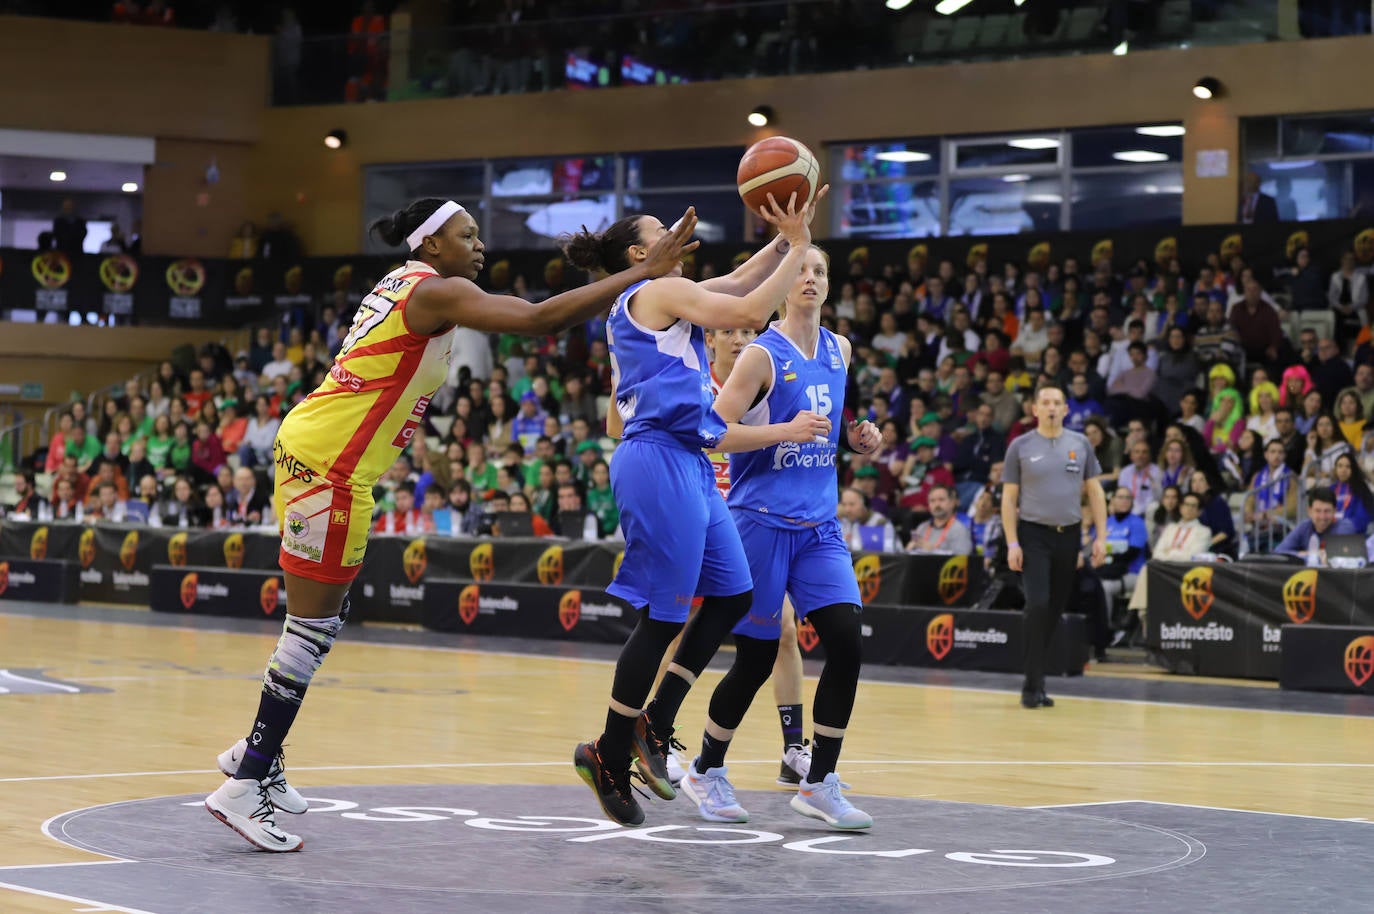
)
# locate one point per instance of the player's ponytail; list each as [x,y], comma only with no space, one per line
[394,229]
[607,251]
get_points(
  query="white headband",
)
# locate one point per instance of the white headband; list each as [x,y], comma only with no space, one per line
[433,223]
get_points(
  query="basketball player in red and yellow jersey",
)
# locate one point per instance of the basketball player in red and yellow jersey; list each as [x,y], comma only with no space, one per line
[333,447]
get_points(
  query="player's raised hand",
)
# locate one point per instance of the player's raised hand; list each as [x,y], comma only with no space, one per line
[792,223]
[667,252]
[806,426]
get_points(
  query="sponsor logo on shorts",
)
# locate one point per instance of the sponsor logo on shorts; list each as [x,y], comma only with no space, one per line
[338,516]
[303,550]
[291,465]
[297,524]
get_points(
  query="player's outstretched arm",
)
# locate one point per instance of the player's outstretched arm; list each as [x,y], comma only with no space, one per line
[747,276]
[459,301]
[676,298]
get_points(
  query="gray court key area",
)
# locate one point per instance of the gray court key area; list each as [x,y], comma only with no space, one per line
[542,848]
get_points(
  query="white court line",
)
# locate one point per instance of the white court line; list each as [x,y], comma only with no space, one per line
[56,866]
[93,905]
[1253,812]
[849,764]
[39,682]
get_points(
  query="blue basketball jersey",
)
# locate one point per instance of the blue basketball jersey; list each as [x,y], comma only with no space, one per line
[662,377]
[790,481]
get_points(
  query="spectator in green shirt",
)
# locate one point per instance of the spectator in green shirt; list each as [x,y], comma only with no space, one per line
[481,473]
[82,446]
[601,501]
[160,442]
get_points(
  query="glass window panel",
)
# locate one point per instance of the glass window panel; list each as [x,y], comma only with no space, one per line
[720,214]
[1261,135]
[891,209]
[535,177]
[1124,199]
[1305,189]
[893,159]
[1002,154]
[682,168]
[992,206]
[387,188]
[526,223]
[1330,134]
[1099,147]
[1362,186]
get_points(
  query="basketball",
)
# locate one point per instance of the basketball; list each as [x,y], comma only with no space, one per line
[779,166]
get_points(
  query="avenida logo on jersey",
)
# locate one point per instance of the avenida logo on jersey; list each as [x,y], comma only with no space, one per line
[790,454]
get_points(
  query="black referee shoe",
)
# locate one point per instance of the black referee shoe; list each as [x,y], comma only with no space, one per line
[1032,700]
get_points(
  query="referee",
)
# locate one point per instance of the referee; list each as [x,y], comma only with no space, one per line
[1047,471]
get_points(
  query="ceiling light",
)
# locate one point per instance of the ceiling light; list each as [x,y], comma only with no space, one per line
[1034,142]
[1140,155]
[903,155]
[129,187]
[1019,2]
[898,4]
[1015,179]
[336,139]
[57,176]
[761,116]
[1162,130]
[948,7]
[1207,87]
[1121,49]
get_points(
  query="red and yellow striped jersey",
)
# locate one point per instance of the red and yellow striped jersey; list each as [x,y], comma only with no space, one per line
[720,462]
[370,406]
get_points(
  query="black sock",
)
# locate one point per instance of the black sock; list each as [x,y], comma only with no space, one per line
[825,755]
[275,716]
[712,753]
[790,716]
[662,711]
[615,744]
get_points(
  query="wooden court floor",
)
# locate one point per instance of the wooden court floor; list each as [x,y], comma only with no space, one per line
[384,714]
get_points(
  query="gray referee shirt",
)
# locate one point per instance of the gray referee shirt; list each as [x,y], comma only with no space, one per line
[1050,472]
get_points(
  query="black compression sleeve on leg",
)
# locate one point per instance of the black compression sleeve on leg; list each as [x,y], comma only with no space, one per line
[840,635]
[634,677]
[700,641]
[708,628]
[751,669]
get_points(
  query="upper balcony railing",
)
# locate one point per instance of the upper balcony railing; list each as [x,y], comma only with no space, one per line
[760,38]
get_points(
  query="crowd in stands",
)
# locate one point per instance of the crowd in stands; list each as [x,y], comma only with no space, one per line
[1253,400]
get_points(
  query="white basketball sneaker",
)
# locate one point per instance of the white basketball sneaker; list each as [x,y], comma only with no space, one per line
[284,796]
[246,807]
[675,770]
[824,801]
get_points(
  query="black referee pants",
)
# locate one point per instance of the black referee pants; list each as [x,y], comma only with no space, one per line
[1048,577]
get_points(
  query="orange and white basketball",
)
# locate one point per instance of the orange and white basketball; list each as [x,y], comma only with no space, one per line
[779,166]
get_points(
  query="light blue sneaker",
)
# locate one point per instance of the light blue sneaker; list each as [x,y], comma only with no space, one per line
[713,794]
[824,801]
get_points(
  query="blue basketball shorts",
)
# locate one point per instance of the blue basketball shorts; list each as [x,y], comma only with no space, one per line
[812,565]
[680,541]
